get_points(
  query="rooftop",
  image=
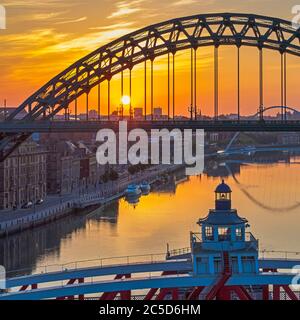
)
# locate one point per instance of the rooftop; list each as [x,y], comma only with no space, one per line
[223,188]
[223,217]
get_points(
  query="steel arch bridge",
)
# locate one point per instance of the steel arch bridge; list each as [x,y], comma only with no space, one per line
[274,108]
[148,43]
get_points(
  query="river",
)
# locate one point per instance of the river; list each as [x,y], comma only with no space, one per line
[267,194]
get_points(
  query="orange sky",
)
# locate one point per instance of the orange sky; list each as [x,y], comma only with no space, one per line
[43,37]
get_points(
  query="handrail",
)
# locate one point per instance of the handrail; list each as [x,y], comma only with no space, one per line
[103,262]
[97,262]
[263,254]
[177,252]
[286,254]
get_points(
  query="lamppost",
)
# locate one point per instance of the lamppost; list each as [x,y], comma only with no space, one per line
[191,111]
[197,112]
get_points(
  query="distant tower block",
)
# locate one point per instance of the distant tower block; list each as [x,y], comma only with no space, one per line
[223,246]
[157,113]
[138,113]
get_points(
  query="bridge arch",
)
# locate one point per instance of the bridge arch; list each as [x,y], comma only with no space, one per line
[169,37]
[156,40]
[274,108]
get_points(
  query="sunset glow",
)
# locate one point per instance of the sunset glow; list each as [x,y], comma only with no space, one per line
[45,37]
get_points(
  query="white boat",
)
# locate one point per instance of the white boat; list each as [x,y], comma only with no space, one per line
[145,187]
[133,200]
[133,190]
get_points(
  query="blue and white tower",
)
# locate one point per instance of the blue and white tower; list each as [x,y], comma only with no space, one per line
[223,245]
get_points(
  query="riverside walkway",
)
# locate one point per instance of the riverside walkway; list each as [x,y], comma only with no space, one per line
[55,207]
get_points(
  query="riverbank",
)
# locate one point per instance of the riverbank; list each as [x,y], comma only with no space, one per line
[58,207]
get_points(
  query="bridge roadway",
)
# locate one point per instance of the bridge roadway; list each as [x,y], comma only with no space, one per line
[10,127]
[172,281]
[182,279]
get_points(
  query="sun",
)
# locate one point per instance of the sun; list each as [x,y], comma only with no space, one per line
[125,100]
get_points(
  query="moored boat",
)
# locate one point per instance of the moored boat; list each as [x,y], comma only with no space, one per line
[133,190]
[145,187]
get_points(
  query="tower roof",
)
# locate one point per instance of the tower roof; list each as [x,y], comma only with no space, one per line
[220,217]
[223,188]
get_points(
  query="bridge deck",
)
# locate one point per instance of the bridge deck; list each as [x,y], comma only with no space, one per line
[179,266]
[172,281]
[94,126]
[170,265]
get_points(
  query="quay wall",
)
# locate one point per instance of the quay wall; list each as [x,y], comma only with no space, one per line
[43,216]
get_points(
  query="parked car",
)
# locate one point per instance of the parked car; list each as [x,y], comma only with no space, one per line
[27,205]
[40,201]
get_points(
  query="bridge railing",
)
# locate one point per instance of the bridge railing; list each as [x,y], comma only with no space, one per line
[98,262]
[178,252]
[135,259]
[263,254]
[277,254]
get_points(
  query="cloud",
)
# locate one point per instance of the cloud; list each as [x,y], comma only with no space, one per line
[38,3]
[90,41]
[113,26]
[73,21]
[43,16]
[125,8]
[184,2]
[22,44]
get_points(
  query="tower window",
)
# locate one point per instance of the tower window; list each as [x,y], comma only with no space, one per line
[224,234]
[223,196]
[209,233]
[238,234]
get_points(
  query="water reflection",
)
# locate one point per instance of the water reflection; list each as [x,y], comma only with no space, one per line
[260,187]
[23,251]
[133,200]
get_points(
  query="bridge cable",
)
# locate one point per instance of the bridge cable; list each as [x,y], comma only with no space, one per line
[238,83]
[87,106]
[76,109]
[87,98]
[145,90]
[285,86]
[108,98]
[99,101]
[130,92]
[192,84]
[173,86]
[122,94]
[281,86]
[168,86]
[152,89]
[195,82]
[261,97]
[216,78]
